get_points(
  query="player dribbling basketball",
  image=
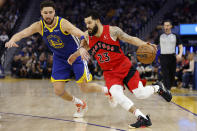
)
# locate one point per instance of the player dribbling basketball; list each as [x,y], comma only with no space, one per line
[103,44]
[146,53]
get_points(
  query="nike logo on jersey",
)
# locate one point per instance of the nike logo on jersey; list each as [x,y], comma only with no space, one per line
[56,30]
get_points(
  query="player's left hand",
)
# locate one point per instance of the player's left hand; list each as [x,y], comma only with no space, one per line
[84,54]
[71,59]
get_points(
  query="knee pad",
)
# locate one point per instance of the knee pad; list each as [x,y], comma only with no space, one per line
[116,89]
[117,93]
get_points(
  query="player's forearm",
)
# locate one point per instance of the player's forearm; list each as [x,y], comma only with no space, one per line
[79,33]
[76,32]
[18,36]
[77,53]
[135,41]
[121,35]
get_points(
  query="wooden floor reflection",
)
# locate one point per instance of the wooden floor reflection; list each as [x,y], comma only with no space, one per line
[31,105]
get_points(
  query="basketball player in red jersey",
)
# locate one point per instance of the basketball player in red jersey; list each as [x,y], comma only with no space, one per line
[102,41]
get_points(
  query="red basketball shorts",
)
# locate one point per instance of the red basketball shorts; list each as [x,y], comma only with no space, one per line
[123,74]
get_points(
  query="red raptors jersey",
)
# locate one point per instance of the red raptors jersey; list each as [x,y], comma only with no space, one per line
[105,50]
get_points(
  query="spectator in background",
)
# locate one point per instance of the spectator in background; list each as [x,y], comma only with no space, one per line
[4,37]
[42,66]
[188,73]
[30,66]
[16,66]
[184,64]
[23,71]
[149,72]
[49,65]
[141,70]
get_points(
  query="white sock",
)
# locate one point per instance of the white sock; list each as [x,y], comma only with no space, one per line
[104,89]
[137,113]
[77,101]
[156,88]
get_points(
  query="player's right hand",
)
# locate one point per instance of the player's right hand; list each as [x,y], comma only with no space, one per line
[153,45]
[10,44]
[84,54]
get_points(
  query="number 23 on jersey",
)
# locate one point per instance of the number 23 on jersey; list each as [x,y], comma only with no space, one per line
[104,57]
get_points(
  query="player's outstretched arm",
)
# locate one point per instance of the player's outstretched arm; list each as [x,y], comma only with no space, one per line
[70,28]
[34,28]
[121,35]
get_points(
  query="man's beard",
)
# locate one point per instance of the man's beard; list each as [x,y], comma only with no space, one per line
[49,23]
[94,31]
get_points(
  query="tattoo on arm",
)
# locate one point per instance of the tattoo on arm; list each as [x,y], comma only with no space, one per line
[116,32]
[121,35]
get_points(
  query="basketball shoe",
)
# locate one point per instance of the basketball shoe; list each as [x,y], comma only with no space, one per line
[163,91]
[113,103]
[81,110]
[141,122]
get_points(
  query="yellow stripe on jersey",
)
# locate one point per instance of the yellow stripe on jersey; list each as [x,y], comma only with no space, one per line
[62,29]
[42,27]
[51,29]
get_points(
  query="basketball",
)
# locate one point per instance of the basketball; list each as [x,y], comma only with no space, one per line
[146,54]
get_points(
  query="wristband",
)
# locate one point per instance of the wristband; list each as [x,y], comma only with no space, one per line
[82,37]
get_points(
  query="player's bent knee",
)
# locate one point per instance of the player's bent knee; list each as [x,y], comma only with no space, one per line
[59,91]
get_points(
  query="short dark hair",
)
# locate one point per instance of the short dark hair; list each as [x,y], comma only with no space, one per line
[95,15]
[167,20]
[47,3]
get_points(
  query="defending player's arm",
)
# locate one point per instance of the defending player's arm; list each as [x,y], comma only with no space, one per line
[34,28]
[116,32]
[70,28]
[82,51]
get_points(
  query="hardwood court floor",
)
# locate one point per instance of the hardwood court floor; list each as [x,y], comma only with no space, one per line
[31,105]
